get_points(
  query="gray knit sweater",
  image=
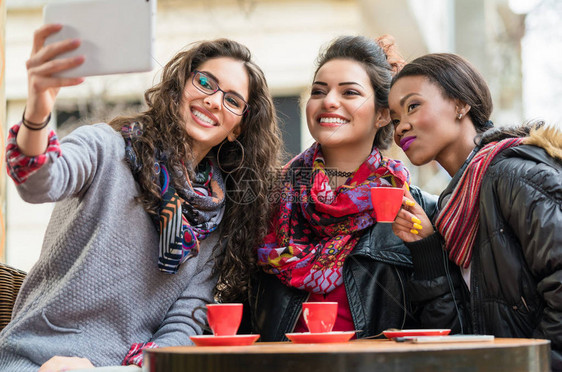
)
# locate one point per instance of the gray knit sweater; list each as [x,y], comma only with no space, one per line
[96,288]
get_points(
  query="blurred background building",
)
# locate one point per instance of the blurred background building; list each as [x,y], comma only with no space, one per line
[285,37]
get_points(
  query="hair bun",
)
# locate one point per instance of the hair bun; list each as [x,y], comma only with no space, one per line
[388,45]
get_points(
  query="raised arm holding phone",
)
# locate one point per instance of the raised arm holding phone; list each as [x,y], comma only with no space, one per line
[132,246]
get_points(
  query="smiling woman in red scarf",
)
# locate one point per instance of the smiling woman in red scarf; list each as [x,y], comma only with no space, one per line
[324,242]
[316,227]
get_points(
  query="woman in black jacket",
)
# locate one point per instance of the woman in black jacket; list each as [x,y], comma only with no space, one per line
[325,243]
[499,219]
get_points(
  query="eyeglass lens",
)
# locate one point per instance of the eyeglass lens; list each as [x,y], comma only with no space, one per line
[208,85]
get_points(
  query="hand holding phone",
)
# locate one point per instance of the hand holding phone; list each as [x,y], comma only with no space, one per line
[42,87]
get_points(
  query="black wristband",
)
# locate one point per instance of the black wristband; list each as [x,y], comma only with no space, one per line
[34,126]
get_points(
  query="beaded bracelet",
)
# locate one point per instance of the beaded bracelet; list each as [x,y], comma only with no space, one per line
[34,126]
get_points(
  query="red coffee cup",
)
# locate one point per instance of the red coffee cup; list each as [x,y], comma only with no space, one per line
[386,202]
[224,319]
[320,317]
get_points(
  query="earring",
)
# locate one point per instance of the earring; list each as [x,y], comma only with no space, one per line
[218,155]
[459,116]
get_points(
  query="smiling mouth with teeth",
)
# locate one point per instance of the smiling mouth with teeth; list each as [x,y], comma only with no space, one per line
[333,121]
[203,117]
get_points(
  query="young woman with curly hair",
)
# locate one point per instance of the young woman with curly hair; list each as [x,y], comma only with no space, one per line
[147,208]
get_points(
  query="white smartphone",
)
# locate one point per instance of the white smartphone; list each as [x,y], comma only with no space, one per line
[117,35]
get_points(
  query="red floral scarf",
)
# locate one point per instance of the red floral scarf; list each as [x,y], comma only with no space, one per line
[315,227]
[458,221]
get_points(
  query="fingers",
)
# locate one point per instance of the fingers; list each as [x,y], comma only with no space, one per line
[47,53]
[411,223]
[412,219]
[403,231]
[41,66]
[60,363]
[41,76]
[408,222]
[40,84]
[41,34]
[41,63]
[408,202]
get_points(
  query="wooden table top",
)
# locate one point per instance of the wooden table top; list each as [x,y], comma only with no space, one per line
[382,355]
[354,346]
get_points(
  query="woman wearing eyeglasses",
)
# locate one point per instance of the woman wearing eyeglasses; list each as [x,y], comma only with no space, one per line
[141,204]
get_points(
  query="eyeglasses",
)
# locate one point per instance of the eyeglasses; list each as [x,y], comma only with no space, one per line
[208,85]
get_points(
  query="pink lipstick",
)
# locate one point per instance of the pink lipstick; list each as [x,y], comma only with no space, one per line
[406,142]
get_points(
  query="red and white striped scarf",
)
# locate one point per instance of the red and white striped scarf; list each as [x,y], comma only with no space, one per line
[458,221]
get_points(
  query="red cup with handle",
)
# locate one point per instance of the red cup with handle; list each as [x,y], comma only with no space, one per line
[386,202]
[320,317]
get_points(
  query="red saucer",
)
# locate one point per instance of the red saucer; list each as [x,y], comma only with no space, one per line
[319,338]
[416,332]
[236,340]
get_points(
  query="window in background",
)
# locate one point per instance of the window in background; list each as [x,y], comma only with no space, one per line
[289,116]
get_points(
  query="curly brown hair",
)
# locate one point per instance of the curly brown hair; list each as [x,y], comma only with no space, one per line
[248,175]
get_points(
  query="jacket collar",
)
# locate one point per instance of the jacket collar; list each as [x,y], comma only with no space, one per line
[548,138]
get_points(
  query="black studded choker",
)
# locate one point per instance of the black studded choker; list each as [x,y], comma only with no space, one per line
[333,172]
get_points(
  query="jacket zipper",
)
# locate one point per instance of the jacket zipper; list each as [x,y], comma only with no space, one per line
[403,297]
[349,302]
[299,313]
[474,293]
[525,303]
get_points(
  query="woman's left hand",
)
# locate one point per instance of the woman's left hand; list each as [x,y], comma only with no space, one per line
[61,363]
[411,223]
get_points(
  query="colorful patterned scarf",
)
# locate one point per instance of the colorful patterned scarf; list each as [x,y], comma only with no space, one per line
[316,227]
[458,221]
[186,216]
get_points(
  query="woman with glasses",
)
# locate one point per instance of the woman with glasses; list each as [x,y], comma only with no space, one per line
[141,206]
[325,243]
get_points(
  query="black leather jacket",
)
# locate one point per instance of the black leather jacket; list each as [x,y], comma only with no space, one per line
[516,267]
[375,276]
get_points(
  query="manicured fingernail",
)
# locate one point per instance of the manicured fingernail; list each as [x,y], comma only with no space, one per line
[414,231]
[418,226]
[410,203]
[416,220]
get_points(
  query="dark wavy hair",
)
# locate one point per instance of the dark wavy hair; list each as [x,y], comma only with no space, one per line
[247,179]
[458,79]
[380,59]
